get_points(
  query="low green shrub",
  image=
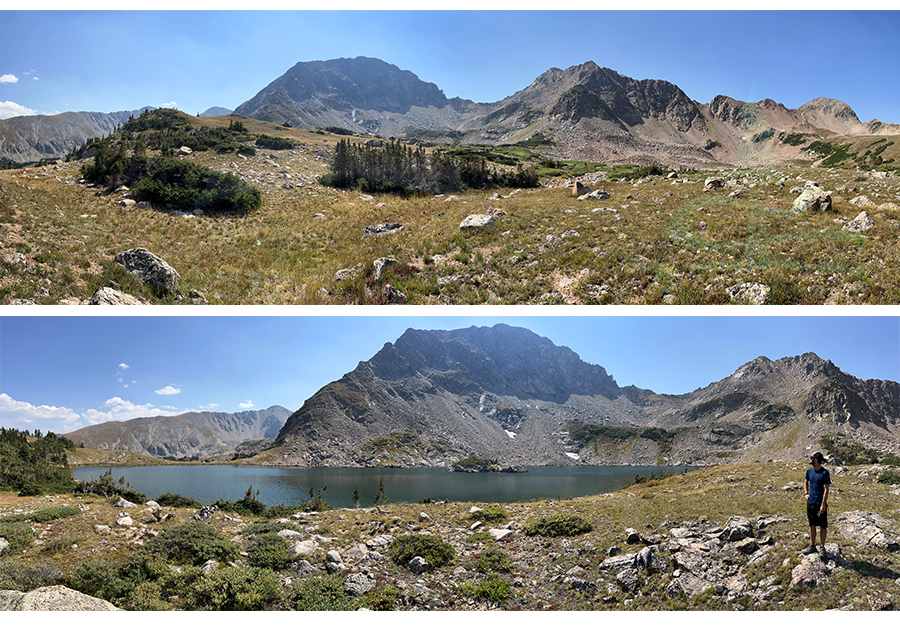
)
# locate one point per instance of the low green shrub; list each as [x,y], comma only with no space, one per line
[18,534]
[236,589]
[380,599]
[889,476]
[174,500]
[270,551]
[564,524]
[192,543]
[490,514]
[42,515]
[99,578]
[494,590]
[434,550]
[491,560]
[321,594]
[19,576]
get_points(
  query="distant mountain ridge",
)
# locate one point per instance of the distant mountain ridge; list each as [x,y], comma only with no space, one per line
[34,138]
[434,397]
[586,111]
[583,112]
[189,434]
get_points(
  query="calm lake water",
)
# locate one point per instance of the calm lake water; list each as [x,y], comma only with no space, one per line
[290,486]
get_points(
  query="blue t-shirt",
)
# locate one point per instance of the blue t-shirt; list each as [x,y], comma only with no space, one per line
[817,483]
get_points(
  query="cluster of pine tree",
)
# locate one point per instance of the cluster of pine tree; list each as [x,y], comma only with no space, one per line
[398,168]
[37,466]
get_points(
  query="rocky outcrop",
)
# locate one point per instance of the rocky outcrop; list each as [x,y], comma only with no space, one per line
[53,598]
[867,530]
[813,198]
[150,270]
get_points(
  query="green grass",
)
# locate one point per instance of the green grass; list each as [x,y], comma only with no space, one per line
[664,244]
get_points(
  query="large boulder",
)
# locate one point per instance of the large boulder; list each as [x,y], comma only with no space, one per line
[867,529]
[813,198]
[150,270]
[53,598]
[106,295]
[476,221]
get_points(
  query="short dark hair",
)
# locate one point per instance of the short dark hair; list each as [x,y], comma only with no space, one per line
[818,456]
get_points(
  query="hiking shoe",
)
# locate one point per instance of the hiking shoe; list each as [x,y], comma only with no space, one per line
[822,552]
[808,550]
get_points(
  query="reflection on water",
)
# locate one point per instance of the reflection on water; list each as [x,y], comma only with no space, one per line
[291,486]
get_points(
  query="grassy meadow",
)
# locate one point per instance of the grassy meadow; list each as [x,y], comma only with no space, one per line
[654,241]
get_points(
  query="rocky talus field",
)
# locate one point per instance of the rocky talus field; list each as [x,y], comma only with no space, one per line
[665,239]
[723,538]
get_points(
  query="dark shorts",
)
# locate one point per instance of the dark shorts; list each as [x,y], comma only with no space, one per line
[815,518]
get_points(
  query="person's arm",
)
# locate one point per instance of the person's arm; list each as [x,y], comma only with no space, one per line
[806,487]
[825,498]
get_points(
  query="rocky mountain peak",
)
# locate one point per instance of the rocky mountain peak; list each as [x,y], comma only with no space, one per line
[501,359]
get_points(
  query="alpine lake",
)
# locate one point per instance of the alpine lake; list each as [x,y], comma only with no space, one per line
[291,485]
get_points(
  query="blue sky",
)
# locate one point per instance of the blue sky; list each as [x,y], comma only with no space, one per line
[56,61]
[61,373]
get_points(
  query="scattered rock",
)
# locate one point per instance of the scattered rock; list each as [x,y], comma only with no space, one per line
[579,189]
[106,295]
[862,201]
[418,565]
[749,293]
[357,584]
[304,547]
[476,221]
[393,295]
[382,229]
[150,270]
[711,184]
[862,222]
[813,198]
[381,265]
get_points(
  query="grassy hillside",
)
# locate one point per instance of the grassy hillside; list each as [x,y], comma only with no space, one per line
[654,241]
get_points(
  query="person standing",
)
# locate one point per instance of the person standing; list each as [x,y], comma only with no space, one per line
[817,485]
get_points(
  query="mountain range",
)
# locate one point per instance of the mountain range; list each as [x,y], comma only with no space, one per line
[203,433]
[584,112]
[33,138]
[435,397]
[432,398]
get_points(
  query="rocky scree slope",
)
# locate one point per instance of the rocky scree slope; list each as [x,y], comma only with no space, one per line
[504,393]
[185,435]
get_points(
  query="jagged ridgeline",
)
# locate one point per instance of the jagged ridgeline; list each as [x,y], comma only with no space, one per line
[433,398]
[142,155]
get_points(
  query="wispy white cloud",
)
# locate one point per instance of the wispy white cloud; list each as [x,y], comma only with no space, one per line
[169,105]
[123,366]
[246,405]
[11,110]
[168,390]
[119,409]
[24,415]
[209,407]
[8,78]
